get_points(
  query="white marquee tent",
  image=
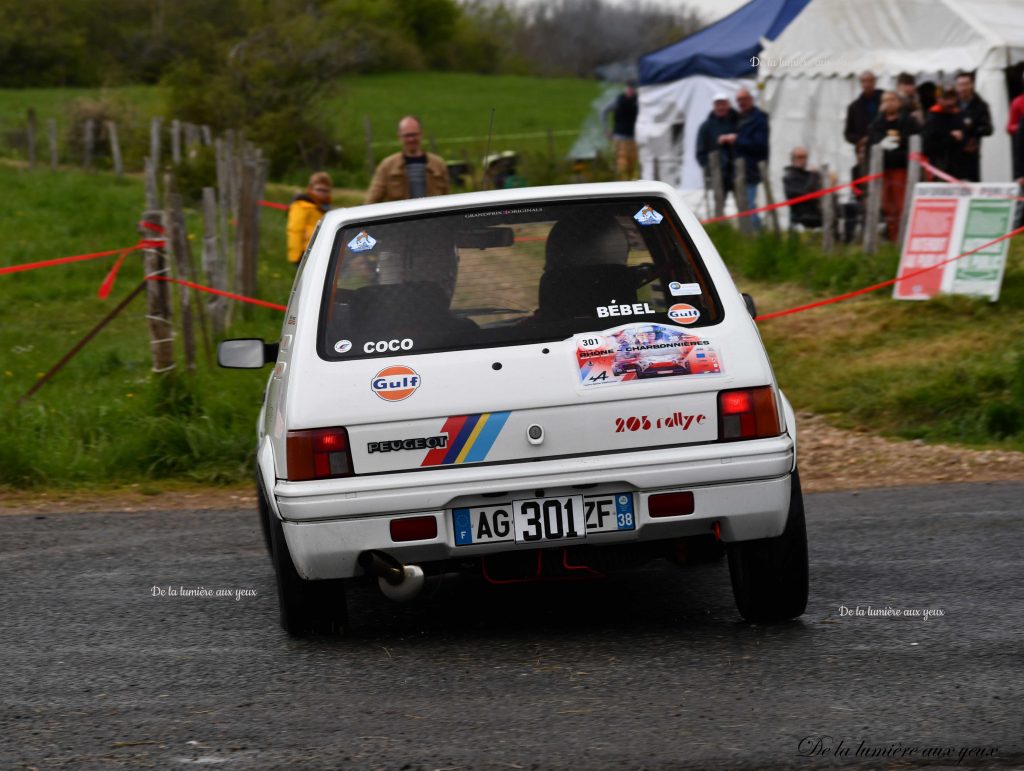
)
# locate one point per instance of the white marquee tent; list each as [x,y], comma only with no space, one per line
[809,72]
[678,82]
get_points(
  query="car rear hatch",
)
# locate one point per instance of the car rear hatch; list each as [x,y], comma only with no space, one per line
[511,335]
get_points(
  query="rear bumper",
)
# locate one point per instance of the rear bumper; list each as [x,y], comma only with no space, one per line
[744,486]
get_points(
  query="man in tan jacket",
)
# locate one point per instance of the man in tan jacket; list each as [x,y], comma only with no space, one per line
[411,173]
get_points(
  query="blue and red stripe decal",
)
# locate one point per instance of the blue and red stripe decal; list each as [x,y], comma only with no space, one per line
[470,438]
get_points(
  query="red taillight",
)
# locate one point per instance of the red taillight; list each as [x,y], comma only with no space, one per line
[748,413]
[670,504]
[319,453]
[413,529]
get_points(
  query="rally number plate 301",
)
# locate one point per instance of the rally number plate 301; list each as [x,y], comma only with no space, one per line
[542,520]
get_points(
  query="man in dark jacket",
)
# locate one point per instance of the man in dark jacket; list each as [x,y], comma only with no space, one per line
[624,111]
[862,111]
[942,138]
[751,144]
[721,122]
[798,180]
[977,124]
[891,129]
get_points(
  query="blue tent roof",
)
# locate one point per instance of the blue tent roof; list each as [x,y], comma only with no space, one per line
[724,49]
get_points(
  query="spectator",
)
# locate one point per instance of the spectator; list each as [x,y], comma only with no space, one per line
[411,173]
[977,124]
[721,121]
[798,180]
[1016,115]
[862,111]
[1018,169]
[927,93]
[942,138]
[891,128]
[851,212]
[623,133]
[905,86]
[305,211]
[751,144]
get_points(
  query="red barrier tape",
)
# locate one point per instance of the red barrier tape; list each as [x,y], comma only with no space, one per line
[883,284]
[220,292]
[143,244]
[272,205]
[791,201]
[108,283]
[937,172]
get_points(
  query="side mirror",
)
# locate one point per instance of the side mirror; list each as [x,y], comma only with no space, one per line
[751,306]
[247,353]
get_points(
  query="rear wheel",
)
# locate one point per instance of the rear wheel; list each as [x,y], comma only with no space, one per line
[307,607]
[769,575]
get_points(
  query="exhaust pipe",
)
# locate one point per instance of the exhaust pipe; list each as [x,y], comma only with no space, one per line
[397,582]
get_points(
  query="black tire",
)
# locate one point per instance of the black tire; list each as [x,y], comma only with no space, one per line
[769,575]
[307,607]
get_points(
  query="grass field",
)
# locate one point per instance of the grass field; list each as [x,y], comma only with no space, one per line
[455,109]
[949,370]
[103,418]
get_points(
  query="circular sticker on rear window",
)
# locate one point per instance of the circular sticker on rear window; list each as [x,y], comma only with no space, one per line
[681,313]
[392,384]
[343,346]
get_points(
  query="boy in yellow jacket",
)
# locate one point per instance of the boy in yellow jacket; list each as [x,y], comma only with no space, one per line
[307,208]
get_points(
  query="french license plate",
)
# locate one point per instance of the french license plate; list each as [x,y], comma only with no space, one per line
[539,520]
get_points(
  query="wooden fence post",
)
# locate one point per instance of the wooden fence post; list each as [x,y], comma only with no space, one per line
[717,183]
[51,128]
[158,313]
[115,148]
[192,139]
[31,138]
[739,191]
[247,236]
[371,161]
[154,140]
[769,196]
[874,202]
[214,264]
[89,141]
[828,216]
[224,203]
[207,135]
[913,177]
[175,141]
[177,241]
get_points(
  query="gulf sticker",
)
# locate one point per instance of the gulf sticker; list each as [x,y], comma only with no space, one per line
[681,313]
[393,384]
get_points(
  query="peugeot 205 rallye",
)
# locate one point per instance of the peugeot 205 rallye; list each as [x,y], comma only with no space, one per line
[529,384]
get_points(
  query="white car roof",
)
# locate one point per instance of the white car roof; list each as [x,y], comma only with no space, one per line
[520,195]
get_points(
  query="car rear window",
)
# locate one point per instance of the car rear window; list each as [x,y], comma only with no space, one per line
[496,276]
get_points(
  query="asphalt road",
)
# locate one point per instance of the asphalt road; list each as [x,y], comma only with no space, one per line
[652,669]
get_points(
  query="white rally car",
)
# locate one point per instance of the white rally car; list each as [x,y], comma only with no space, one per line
[531,384]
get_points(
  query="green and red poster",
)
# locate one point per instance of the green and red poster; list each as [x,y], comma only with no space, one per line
[947,220]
